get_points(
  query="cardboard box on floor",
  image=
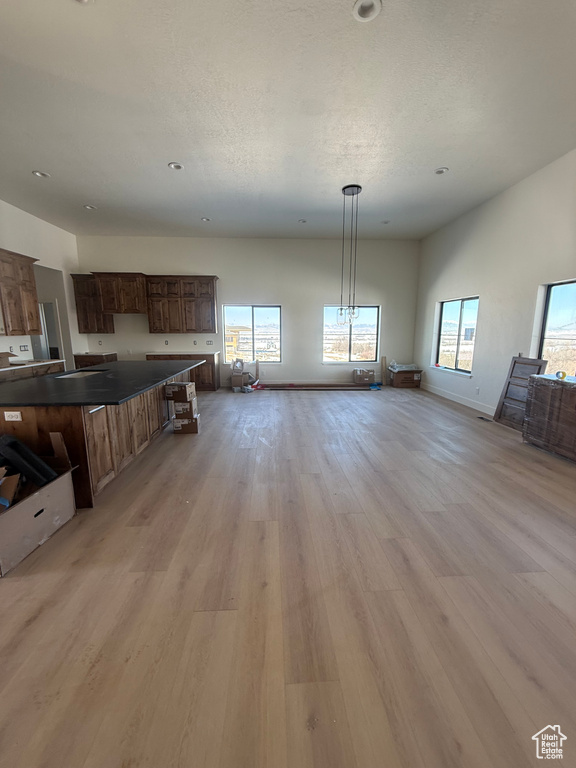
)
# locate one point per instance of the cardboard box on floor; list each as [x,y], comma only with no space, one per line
[26,525]
[186,426]
[188,410]
[363,376]
[181,392]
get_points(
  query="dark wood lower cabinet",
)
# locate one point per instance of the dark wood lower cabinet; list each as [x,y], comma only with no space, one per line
[85,359]
[206,377]
[99,447]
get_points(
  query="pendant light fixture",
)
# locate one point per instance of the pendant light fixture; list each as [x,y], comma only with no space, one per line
[347,313]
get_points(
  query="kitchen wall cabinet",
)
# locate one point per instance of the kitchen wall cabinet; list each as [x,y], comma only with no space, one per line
[18,297]
[181,304]
[91,318]
[122,293]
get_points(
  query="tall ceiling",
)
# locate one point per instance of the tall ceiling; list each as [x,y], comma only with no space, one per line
[272,106]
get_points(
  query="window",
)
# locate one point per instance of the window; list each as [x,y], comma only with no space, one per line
[252,332]
[457,334]
[558,340]
[351,343]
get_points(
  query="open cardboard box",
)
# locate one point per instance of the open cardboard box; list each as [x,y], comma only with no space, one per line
[28,523]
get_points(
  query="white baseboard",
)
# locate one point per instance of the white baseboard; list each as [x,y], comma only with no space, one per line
[482,407]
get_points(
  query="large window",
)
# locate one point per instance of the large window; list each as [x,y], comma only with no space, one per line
[457,334]
[558,340]
[351,343]
[252,332]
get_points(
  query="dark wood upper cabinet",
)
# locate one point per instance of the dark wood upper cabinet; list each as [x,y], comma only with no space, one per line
[122,293]
[181,303]
[91,318]
[18,297]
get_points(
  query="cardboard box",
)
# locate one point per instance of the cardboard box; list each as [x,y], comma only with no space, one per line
[181,392]
[5,358]
[188,410]
[363,376]
[409,379]
[30,522]
[186,426]
[240,379]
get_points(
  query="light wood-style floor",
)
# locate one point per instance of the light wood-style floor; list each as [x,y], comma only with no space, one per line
[320,579]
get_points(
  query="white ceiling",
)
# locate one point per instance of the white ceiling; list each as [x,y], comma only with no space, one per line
[272,106]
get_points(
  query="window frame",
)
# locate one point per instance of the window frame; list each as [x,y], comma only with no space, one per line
[549,287]
[253,307]
[458,334]
[350,328]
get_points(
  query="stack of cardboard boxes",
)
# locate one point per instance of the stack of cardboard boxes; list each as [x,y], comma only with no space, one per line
[186,418]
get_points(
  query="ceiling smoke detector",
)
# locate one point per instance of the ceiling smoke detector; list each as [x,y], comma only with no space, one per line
[41,174]
[302,221]
[176,166]
[90,207]
[366,10]
[205,218]
[441,171]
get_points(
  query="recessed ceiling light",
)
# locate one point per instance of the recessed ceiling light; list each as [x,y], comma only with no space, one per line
[302,221]
[84,2]
[441,171]
[175,166]
[90,207]
[366,10]
[205,219]
[41,174]
[387,221]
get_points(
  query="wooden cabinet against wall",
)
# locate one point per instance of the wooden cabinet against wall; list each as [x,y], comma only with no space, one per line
[550,421]
[181,304]
[206,377]
[18,297]
[122,293]
[87,359]
[91,318]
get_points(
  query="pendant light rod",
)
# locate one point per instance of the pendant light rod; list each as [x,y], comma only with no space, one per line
[349,254]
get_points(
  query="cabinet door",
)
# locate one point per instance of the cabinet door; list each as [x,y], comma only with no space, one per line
[198,287]
[155,414]
[199,316]
[138,410]
[98,447]
[156,315]
[30,310]
[8,272]
[11,299]
[132,294]
[109,289]
[120,428]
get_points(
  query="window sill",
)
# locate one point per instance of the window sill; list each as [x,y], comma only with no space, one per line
[449,370]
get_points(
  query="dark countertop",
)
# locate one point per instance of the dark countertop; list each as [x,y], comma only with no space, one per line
[111,384]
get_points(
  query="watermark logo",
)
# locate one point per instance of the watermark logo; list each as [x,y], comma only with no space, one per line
[549,743]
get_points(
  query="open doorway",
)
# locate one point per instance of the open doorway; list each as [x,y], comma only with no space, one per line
[48,346]
[55,342]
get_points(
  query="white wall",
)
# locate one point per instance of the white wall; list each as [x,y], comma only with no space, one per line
[501,251]
[53,247]
[300,275]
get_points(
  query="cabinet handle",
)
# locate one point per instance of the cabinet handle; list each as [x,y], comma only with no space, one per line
[99,408]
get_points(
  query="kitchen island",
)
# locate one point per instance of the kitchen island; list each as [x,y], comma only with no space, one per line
[107,414]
